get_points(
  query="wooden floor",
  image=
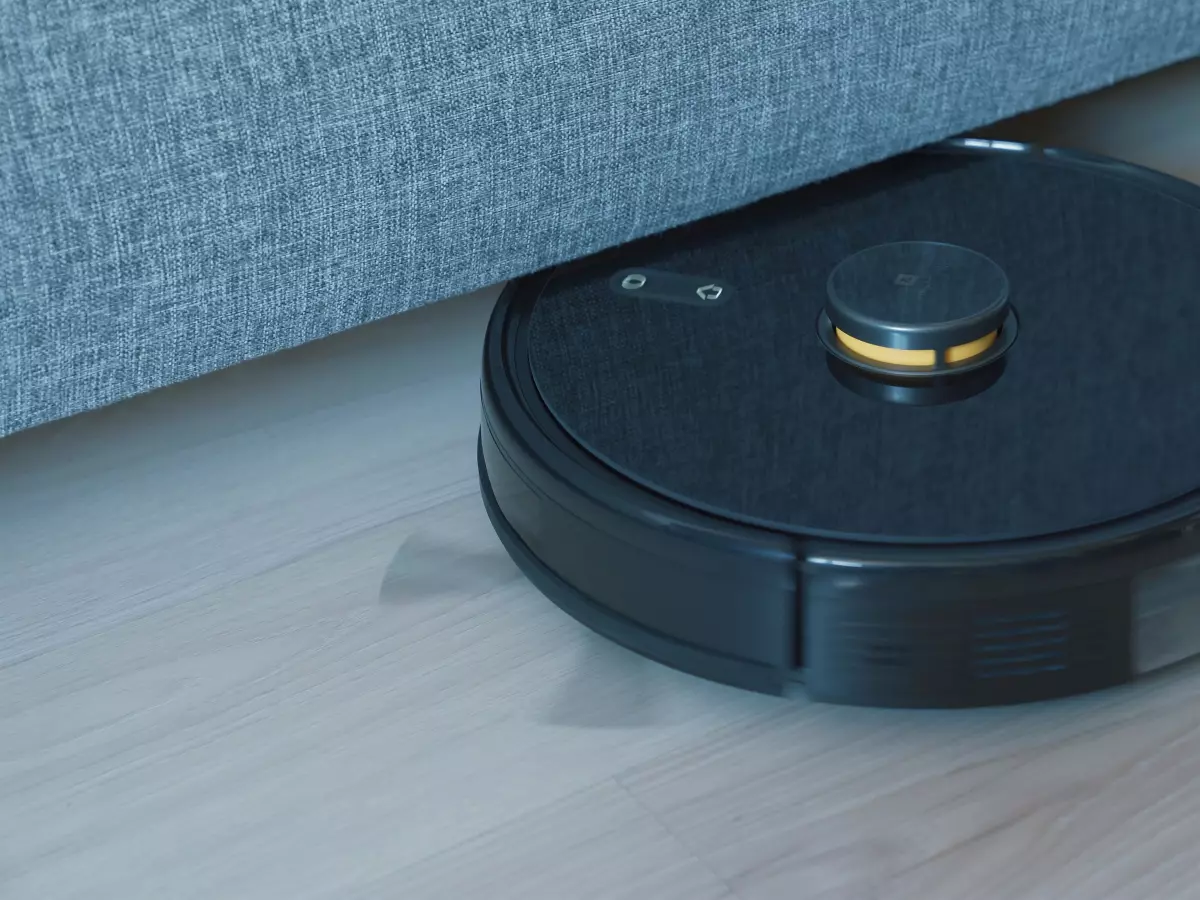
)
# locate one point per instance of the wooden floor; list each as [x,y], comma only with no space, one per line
[258,641]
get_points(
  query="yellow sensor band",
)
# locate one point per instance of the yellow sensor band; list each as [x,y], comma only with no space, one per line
[893,356]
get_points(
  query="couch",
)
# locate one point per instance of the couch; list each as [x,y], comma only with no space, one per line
[187,184]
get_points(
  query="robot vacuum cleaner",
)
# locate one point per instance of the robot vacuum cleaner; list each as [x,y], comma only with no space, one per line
[927,434]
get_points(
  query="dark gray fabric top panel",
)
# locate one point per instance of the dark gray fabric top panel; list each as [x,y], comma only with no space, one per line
[184,185]
[731,407]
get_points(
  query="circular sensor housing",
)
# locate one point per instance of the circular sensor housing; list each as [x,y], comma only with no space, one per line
[917,306]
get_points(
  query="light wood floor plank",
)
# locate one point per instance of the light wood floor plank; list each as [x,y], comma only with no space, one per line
[1068,799]
[323,723]
[597,844]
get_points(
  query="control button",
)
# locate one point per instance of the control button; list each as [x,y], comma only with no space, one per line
[709,292]
[633,281]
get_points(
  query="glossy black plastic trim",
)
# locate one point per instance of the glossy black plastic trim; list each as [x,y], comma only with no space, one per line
[742,673]
[914,391]
[1185,191]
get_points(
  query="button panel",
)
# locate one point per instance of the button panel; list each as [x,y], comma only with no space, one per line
[671,287]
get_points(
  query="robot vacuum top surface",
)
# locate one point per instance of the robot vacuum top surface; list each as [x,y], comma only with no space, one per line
[717,391]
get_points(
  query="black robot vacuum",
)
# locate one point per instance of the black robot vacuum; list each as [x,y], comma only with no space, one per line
[927,434]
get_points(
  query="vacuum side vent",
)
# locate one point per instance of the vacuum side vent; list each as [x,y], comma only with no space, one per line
[943,647]
[1020,644]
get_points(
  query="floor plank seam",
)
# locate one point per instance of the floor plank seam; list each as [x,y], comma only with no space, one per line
[449,851]
[678,841]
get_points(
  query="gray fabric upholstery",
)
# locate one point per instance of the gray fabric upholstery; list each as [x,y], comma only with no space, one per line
[186,184]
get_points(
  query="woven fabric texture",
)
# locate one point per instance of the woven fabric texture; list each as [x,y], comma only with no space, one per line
[187,184]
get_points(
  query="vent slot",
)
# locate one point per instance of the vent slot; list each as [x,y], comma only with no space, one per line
[1013,645]
[898,645]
